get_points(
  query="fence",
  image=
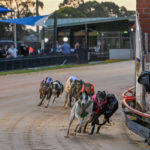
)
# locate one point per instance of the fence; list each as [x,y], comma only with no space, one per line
[31,62]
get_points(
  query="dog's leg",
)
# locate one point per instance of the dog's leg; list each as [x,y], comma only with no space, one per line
[92,130]
[89,121]
[84,129]
[42,101]
[72,116]
[48,100]
[70,99]
[66,99]
[98,128]
[75,130]
[93,124]
[54,99]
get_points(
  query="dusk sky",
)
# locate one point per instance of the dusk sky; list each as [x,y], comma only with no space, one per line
[51,5]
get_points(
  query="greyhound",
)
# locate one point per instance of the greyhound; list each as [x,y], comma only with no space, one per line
[45,89]
[56,89]
[108,106]
[82,110]
[72,88]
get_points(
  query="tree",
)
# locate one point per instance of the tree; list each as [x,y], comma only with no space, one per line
[70,12]
[111,9]
[71,3]
[125,12]
[22,8]
[92,9]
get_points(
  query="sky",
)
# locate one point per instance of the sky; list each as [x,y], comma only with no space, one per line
[51,5]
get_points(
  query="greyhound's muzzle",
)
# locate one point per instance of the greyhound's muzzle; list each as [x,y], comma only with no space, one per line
[83,105]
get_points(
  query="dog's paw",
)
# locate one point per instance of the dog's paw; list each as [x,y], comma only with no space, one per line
[66,136]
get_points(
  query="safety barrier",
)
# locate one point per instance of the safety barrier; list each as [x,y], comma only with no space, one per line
[37,61]
[128,98]
[135,119]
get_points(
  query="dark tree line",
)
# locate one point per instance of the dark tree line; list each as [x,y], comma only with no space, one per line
[79,9]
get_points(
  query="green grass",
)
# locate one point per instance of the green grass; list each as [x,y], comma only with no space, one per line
[43,69]
[37,69]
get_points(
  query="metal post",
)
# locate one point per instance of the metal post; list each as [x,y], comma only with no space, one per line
[86,36]
[55,32]
[43,37]
[37,14]
[146,42]
[15,33]
[143,69]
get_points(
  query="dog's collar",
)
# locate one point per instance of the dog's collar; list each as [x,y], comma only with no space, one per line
[84,113]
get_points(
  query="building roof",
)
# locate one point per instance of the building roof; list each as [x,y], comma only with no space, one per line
[66,22]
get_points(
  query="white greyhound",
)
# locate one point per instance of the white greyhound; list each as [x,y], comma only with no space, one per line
[82,110]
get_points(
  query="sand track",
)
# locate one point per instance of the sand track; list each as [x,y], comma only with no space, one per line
[25,126]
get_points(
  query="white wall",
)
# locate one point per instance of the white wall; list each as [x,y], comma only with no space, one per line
[120,53]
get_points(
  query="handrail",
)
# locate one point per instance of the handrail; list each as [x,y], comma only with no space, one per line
[124,95]
[127,98]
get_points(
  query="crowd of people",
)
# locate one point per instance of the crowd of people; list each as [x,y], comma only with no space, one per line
[24,50]
[7,51]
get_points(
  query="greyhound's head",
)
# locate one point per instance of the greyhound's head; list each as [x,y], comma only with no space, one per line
[55,87]
[110,99]
[43,89]
[84,98]
[101,96]
[76,86]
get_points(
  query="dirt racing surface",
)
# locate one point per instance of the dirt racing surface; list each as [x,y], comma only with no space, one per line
[25,126]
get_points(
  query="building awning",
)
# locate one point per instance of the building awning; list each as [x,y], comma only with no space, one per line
[3,10]
[66,22]
[31,21]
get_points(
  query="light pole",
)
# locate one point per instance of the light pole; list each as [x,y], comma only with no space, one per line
[55,32]
[37,14]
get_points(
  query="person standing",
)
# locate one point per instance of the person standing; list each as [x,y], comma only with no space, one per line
[66,48]
[13,51]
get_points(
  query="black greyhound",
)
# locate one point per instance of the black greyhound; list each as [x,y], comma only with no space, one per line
[108,108]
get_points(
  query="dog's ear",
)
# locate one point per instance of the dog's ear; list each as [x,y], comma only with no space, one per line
[80,93]
[71,80]
[104,93]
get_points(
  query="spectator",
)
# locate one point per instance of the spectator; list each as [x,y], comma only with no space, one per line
[13,51]
[2,54]
[40,51]
[66,48]
[57,47]
[76,47]
[26,50]
[31,51]
[5,51]
[22,49]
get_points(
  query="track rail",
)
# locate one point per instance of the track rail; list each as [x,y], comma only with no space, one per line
[127,98]
[135,125]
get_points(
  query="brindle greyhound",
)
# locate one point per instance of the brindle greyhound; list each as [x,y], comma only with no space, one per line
[44,91]
[56,89]
[72,89]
